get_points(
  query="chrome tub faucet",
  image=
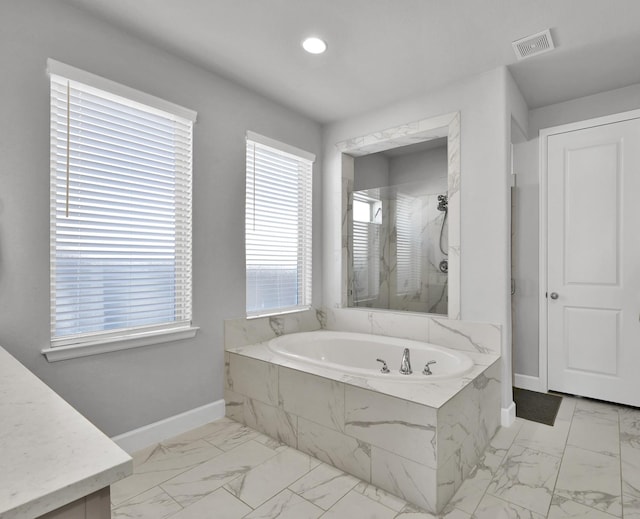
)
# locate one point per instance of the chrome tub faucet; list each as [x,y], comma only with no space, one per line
[405,365]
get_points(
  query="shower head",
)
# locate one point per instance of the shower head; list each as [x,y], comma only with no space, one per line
[443,203]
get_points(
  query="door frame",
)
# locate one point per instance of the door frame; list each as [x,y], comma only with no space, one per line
[545,133]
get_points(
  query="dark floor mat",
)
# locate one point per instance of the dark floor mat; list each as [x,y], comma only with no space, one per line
[537,407]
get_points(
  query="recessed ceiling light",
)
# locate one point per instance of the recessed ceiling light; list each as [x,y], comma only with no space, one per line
[314,45]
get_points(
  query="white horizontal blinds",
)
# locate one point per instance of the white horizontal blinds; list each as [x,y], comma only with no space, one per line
[121,258]
[366,250]
[277,229]
[408,244]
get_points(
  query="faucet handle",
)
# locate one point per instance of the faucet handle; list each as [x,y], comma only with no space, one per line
[384,368]
[427,369]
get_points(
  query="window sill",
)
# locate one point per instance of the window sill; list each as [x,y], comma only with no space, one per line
[276,312]
[124,342]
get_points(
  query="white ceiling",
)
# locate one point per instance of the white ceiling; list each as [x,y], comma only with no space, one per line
[381,51]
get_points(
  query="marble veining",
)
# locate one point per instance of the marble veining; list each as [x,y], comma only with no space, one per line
[50,454]
[325,491]
[526,478]
[401,445]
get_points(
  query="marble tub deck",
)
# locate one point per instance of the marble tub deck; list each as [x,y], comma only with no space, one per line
[433,394]
[586,466]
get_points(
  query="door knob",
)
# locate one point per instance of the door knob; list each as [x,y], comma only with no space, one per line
[554,295]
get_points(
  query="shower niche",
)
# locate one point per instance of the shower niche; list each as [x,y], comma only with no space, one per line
[401,218]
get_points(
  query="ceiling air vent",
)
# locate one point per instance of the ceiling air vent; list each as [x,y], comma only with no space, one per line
[533,45]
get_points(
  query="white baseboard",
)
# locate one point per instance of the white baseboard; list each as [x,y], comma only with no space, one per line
[528,382]
[142,437]
[508,415]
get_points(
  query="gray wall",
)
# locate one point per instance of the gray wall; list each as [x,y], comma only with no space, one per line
[124,390]
[526,159]
[429,167]
[370,171]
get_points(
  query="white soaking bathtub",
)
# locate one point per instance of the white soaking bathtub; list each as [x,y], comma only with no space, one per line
[416,436]
[357,354]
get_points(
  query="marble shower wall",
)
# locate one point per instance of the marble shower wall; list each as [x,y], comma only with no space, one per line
[458,335]
[399,286]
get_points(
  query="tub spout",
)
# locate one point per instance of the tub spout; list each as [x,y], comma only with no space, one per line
[405,365]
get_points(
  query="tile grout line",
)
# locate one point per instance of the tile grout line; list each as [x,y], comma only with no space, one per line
[622,507]
[564,450]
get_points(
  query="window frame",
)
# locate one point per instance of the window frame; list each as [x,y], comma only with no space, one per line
[91,343]
[304,229]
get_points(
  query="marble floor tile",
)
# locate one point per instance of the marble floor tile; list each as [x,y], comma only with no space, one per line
[270,442]
[412,512]
[354,504]
[493,508]
[630,458]
[174,454]
[629,420]
[230,435]
[591,479]
[324,485]
[135,484]
[562,508]
[631,507]
[544,438]
[503,439]
[259,484]
[160,463]
[604,409]
[567,407]
[380,496]
[196,483]
[526,478]
[201,470]
[217,505]
[595,431]
[152,503]
[286,505]
[473,488]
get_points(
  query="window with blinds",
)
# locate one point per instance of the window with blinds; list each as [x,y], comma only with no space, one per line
[366,246]
[277,226]
[120,211]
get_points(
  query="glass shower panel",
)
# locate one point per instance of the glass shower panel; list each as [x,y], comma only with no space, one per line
[399,243]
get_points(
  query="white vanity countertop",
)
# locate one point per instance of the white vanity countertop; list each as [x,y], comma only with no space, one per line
[50,455]
[432,393]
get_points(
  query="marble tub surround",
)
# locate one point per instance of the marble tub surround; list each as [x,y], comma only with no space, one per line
[50,455]
[407,439]
[468,336]
[243,331]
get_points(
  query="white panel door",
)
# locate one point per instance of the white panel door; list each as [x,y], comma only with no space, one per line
[593,263]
